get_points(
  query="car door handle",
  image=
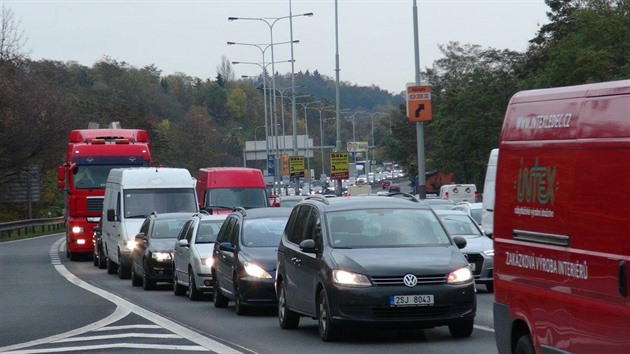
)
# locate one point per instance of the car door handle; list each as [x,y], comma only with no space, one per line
[296,260]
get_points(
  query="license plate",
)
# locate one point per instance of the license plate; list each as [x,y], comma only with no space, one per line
[473,266]
[411,300]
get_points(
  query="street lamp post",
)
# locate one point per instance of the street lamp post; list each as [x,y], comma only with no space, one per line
[270,22]
[282,96]
[308,160]
[321,132]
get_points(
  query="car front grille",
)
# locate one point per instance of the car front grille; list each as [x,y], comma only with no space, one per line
[477,259]
[398,280]
[410,312]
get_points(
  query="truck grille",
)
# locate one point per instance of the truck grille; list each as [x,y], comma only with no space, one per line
[95,203]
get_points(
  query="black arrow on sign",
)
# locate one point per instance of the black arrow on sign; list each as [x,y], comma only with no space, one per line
[419,109]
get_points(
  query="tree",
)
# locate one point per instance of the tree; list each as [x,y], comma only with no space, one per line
[12,38]
[225,70]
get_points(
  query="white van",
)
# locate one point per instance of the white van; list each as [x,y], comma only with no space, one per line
[487,213]
[459,192]
[131,194]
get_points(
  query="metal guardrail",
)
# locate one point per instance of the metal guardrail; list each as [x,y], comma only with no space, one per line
[25,227]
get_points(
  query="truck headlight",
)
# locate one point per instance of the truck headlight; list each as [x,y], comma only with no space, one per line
[130,244]
[77,229]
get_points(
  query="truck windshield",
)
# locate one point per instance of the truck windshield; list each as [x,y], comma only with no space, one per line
[139,203]
[234,197]
[94,175]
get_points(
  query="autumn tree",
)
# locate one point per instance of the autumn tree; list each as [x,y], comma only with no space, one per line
[12,38]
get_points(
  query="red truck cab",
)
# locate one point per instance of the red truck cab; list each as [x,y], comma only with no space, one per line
[561,221]
[90,155]
[220,189]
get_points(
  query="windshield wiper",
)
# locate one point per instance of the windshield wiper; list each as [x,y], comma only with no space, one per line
[136,216]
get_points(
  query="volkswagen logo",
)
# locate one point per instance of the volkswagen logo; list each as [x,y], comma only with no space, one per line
[410,280]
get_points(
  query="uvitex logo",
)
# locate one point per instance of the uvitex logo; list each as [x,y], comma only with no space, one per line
[536,183]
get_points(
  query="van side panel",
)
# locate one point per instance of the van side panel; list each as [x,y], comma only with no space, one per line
[487,215]
[561,227]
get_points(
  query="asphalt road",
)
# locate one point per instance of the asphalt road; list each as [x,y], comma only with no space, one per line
[49,304]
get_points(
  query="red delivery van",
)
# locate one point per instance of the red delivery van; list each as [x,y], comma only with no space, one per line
[220,189]
[562,221]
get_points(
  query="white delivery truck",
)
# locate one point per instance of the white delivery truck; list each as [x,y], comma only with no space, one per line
[459,192]
[131,194]
[487,213]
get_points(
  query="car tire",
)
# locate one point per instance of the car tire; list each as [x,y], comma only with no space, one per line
[524,345]
[95,259]
[193,293]
[328,331]
[220,301]
[288,319]
[178,289]
[461,329]
[123,271]
[101,260]
[135,279]
[239,307]
[111,266]
[147,283]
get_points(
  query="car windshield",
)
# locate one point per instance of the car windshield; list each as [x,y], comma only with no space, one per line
[138,203]
[263,232]
[94,176]
[208,230]
[385,228]
[459,225]
[167,228]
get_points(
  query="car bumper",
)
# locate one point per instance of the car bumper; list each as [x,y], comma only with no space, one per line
[370,306]
[256,291]
[160,271]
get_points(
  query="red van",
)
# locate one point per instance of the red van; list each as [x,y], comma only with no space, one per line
[562,221]
[220,189]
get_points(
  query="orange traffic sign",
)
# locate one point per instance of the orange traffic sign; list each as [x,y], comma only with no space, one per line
[419,103]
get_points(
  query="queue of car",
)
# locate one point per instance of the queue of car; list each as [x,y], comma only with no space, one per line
[389,261]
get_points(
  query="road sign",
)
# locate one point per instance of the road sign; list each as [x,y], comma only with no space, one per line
[284,159]
[271,166]
[296,166]
[355,146]
[339,166]
[419,103]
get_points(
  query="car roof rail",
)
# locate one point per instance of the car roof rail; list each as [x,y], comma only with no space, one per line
[411,197]
[203,211]
[240,210]
[318,198]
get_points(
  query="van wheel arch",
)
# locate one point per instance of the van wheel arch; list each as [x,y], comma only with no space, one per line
[520,332]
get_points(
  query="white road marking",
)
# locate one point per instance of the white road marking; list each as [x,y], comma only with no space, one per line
[86,348]
[123,308]
[120,335]
[484,328]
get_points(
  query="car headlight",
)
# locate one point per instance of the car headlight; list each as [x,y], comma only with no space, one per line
[489,253]
[207,262]
[342,277]
[461,275]
[77,229]
[131,244]
[161,256]
[255,271]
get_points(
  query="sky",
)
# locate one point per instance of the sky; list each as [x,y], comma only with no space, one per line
[374,39]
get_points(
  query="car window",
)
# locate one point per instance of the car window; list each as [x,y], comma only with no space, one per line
[297,232]
[184,230]
[236,229]
[385,228]
[314,228]
[459,225]
[189,231]
[263,232]
[144,229]
[167,228]
[208,230]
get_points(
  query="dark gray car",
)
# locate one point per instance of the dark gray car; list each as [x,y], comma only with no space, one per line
[372,261]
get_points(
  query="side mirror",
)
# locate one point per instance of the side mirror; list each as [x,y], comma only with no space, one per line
[460,242]
[140,237]
[307,246]
[226,246]
[97,229]
[111,215]
[183,242]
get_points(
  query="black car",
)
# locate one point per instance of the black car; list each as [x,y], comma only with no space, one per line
[152,258]
[386,262]
[98,254]
[244,266]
